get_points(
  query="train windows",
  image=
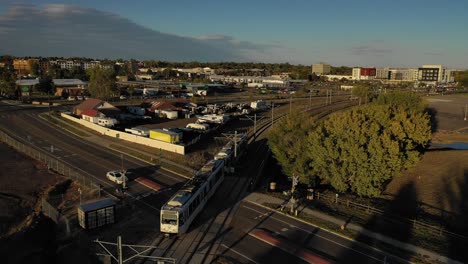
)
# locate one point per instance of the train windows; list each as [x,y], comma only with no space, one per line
[170,219]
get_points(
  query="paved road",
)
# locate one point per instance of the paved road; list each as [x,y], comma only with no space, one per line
[93,159]
[241,245]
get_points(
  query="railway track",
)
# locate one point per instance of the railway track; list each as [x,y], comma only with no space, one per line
[200,244]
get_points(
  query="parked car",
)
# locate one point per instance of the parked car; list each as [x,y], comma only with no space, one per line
[117,176]
[123,97]
[79,98]
[71,98]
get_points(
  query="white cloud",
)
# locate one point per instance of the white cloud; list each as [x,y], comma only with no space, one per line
[68,30]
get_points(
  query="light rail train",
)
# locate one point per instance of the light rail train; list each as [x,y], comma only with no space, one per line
[182,208]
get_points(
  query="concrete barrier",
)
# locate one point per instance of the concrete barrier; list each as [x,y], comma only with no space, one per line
[128,137]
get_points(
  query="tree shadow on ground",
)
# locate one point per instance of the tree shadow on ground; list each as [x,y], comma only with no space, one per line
[457,198]
[383,224]
[434,122]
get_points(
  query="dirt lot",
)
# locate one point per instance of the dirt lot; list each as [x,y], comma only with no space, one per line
[440,180]
[26,236]
[22,182]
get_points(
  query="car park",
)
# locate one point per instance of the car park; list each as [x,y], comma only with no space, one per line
[117,176]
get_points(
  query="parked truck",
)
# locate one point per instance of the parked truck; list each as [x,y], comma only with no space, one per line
[165,136]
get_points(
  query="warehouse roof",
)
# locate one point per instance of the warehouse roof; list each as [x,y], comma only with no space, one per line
[27,82]
[66,82]
[97,205]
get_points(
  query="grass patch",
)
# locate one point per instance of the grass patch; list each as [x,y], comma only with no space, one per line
[62,125]
[149,159]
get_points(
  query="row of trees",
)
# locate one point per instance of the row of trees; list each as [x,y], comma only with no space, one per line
[358,150]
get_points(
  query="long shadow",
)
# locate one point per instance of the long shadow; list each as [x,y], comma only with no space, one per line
[434,122]
[457,197]
[401,231]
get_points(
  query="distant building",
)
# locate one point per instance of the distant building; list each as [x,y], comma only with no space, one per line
[23,65]
[321,69]
[382,73]
[334,77]
[26,86]
[431,74]
[364,73]
[90,64]
[72,87]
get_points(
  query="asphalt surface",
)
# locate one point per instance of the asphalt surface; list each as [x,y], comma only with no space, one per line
[93,160]
[224,227]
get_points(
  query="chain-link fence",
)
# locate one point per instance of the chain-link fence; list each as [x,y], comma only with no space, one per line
[61,167]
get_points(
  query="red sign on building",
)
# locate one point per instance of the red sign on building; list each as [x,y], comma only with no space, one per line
[368,71]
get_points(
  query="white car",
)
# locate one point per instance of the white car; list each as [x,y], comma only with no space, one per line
[79,98]
[71,98]
[117,176]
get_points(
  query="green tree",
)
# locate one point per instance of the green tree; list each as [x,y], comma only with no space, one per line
[45,85]
[462,78]
[7,81]
[35,70]
[102,82]
[361,91]
[406,100]
[361,149]
[286,141]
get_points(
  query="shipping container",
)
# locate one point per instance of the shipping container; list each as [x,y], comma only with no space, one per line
[166,136]
[96,214]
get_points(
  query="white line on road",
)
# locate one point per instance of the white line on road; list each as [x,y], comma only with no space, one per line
[240,254]
[322,237]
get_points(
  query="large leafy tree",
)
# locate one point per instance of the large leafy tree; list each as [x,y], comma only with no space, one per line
[286,141]
[359,150]
[102,82]
[7,81]
[361,91]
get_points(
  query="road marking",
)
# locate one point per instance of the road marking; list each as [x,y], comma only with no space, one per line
[240,254]
[317,235]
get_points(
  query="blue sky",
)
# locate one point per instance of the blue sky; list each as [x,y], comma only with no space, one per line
[354,33]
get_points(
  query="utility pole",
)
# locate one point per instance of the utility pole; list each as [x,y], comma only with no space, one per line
[326,98]
[254,119]
[331,96]
[272,107]
[235,144]
[119,249]
[310,98]
[290,104]
[234,137]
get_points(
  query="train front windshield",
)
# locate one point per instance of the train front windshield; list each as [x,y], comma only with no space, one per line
[169,218]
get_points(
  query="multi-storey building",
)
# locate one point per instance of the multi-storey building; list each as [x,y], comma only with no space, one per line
[321,69]
[364,73]
[23,65]
[382,73]
[431,73]
[90,64]
[408,75]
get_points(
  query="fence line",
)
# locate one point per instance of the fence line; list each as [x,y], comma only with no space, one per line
[367,209]
[51,162]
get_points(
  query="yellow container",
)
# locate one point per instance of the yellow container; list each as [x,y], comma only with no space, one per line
[166,136]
